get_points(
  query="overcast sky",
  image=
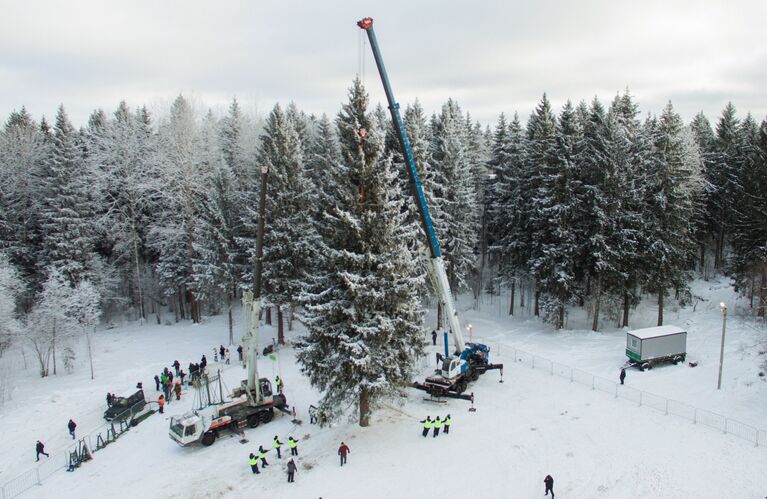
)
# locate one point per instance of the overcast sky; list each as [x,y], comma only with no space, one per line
[492,56]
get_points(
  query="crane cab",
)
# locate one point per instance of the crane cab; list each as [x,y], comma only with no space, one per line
[453,366]
[186,429]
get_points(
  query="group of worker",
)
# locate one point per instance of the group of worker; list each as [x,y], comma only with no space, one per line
[437,424]
[260,456]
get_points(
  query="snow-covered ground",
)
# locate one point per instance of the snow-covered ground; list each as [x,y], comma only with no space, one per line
[593,444]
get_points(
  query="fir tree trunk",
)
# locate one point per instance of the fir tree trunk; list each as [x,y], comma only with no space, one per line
[625,321]
[561,320]
[54,346]
[439,315]
[280,326]
[703,257]
[661,292]
[142,310]
[364,407]
[720,249]
[90,351]
[522,297]
[536,309]
[291,316]
[268,316]
[194,306]
[763,293]
[511,302]
[597,299]
[752,293]
[231,319]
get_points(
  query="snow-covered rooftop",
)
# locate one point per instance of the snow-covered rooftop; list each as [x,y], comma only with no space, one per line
[654,332]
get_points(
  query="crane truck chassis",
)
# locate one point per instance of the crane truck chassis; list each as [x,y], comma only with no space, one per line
[470,359]
[234,416]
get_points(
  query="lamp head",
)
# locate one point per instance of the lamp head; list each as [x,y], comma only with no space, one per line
[723,306]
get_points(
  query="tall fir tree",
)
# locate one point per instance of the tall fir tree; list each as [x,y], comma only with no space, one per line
[365,324]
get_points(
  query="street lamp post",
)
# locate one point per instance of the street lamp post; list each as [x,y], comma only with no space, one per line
[721,349]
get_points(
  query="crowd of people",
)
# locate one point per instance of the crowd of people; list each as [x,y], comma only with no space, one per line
[259,457]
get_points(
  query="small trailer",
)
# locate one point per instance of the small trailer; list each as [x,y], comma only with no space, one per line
[649,346]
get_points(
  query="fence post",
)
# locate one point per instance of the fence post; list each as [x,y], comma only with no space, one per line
[695,416]
[571,375]
[666,407]
[616,390]
[640,398]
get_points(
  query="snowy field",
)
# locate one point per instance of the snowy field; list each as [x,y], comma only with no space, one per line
[594,444]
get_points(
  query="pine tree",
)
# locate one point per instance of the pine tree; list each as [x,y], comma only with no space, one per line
[721,174]
[705,230]
[364,325]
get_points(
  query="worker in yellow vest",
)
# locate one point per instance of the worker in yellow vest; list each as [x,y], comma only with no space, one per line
[262,456]
[437,426]
[277,445]
[447,422]
[293,445]
[254,463]
[426,425]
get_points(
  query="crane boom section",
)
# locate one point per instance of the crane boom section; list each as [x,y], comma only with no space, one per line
[437,264]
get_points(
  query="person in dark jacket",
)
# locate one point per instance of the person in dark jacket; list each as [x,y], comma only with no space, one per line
[157,382]
[176,365]
[181,375]
[40,447]
[239,352]
[291,469]
[203,362]
[434,337]
[223,351]
[622,375]
[343,451]
[549,482]
[72,427]
[109,399]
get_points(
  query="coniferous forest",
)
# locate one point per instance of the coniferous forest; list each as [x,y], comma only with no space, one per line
[594,206]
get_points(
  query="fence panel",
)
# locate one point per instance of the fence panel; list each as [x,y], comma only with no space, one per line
[21,484]
[682,410]
[629,393]
[562,371]
[763,438]
[742,430]
[604,385]
[716,421]
[655,401]
[523,357]
[583,378]
[542,364]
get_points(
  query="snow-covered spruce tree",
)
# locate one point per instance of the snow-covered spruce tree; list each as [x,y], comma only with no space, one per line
[290,239]
[722,176]
[11,289]
[478,152]
[218,259]
[172,232]
[67,212]
[508,208]
[673,180]
[457,215]
[705,231]
[749,228]
[365,322]
[47,326]
[22,150]
[234,146]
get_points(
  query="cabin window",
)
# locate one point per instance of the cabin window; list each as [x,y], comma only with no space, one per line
[189,431]
[634,343]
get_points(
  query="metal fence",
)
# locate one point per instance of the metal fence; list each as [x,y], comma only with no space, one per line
[641,398]
[77,453]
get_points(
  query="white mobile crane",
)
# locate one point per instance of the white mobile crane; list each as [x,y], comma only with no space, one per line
[469,359]
[253,402]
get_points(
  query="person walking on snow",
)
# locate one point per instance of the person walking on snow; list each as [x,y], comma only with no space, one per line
[343,451]
[109,398]
[40,447]
[434,337]
[426,425]
[157,382]
[437,426]
[72,427]
[623,374]
[293,445]
[176,366]
[277,444]
[222,350]
[279,383]
[239,352]
[447,422]
[262,456]
[177,389]
[227,356]
[161,401]
[253,461]
[549,482]
[215,354]
[291,469]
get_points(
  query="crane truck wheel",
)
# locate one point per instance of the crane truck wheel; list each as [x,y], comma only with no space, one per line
[208,438]
[267,416]
[254,420]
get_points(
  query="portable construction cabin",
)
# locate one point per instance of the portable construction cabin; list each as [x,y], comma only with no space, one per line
[649,346]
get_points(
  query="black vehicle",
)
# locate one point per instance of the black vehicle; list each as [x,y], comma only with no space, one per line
[121,405]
